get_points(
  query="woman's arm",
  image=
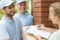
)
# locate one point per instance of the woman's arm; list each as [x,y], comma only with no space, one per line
[47,28]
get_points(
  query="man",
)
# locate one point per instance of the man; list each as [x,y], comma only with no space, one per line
[22,15]
[10,29]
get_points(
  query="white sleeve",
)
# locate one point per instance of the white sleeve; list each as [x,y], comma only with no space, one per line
[55,36]
[3,32]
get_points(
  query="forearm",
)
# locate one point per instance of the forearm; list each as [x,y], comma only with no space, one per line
[37,37]
[48,29]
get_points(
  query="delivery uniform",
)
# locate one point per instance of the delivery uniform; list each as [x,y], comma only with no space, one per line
[26,19]
[10,29]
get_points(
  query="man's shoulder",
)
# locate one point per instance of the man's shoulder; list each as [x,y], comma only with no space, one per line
[29,15]
[16,15]
[2,22]
[57,32]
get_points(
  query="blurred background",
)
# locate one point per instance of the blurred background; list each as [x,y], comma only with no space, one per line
[28,8]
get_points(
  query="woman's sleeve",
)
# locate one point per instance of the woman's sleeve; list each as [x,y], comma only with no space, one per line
[55,36]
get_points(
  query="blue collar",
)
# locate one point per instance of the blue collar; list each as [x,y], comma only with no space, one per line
[7,19]
[25,14]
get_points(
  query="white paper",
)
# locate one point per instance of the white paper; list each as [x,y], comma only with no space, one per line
[44,34]
[33,30]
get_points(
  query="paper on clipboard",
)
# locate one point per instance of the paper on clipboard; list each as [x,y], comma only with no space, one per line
[33,30]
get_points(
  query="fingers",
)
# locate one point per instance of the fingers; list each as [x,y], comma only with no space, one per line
[37,37]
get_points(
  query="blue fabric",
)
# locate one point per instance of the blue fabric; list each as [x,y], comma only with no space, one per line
[3,32]
[11,28]
[26,19]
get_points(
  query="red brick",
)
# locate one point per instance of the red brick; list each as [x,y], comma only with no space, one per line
[57,0]
[37,9]
[36,5]
[44,9]
[37,19]
[47,0]
[45,4]
[40,12]
[44,14]
[36,23]
[44,19]
[36,14]
[36,1]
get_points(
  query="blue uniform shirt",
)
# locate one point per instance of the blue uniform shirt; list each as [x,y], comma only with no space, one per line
[26,19]
[10,29]
[3,32]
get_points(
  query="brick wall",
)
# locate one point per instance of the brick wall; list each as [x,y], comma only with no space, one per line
[40,10]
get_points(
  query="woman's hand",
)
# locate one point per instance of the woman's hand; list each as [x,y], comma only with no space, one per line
[37,37]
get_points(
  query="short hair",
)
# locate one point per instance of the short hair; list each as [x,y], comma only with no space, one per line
[56,7]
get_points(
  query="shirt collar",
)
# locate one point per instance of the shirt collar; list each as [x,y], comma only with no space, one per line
[22,15]
[7,19]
